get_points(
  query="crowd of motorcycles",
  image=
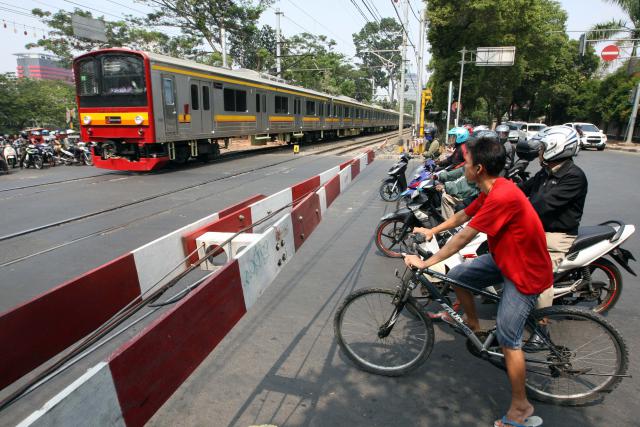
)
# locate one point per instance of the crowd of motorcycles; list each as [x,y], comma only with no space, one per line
[586,277]
[25,153]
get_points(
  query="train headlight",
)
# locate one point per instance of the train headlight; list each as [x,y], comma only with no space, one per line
[139,120]
[86,120]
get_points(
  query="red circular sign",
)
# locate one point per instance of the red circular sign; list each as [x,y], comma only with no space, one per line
[611,52]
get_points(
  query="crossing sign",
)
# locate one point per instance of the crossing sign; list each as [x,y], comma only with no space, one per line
[610,52]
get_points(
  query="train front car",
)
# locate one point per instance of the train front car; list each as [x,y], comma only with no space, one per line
[115,106]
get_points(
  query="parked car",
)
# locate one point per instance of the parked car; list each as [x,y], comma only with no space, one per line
[517,131]
[590,135]
[534,128]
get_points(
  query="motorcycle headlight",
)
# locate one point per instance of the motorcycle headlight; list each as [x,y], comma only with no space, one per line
[86,120]
[139,120]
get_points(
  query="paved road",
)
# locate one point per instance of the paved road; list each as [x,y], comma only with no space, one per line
[281,365]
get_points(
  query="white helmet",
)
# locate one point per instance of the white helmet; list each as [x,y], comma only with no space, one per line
[559,142]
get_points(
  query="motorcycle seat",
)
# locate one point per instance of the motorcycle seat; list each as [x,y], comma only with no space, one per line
[590,235]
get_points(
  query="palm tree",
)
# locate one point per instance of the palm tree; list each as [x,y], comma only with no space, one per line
[628,29]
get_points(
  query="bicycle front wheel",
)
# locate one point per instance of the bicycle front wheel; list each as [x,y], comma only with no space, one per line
[361,318]
[587,357]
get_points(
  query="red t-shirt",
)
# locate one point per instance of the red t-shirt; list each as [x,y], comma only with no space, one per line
[516,238]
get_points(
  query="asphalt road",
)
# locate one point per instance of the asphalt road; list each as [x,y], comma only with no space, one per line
[281,365]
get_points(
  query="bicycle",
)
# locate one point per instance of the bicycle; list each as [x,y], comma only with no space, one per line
[563,368]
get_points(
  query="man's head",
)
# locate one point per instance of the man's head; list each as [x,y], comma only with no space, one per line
[485,157]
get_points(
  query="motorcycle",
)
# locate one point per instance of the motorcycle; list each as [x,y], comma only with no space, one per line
[393,185]
[584,277]
[77,153]
[10,155]
[4,168]
[33,157]
[47,154]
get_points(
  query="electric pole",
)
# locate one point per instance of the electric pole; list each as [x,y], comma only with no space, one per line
[420,67]
[634,113]
[278,64]
[223,41]
[459,105]
[402,71]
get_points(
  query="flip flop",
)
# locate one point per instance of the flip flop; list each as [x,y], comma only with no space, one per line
[532,421]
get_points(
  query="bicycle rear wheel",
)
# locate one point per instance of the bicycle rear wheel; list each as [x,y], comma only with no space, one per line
[588,357]
[357,324]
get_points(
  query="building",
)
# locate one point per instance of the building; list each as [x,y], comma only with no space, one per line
[42,66]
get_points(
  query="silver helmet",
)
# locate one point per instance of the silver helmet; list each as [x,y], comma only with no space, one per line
[559,143]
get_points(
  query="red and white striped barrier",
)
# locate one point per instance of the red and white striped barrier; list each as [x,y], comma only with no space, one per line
[132,384]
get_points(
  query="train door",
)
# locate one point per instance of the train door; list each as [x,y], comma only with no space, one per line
[206,116]
[196,107]
[297,112]
[169,105]
[262,116]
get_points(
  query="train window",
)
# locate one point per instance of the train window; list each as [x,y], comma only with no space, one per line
[235,100]
[206,106]
[334,110]
[229,100]
[195,105]
[357,113]
[88,83]
[167,91]
[311,108]
[281,104]
[241,100]
[257,103]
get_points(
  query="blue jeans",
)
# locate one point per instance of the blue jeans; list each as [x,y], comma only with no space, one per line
[514,306]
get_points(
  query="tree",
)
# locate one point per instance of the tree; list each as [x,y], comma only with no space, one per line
[385,35]
[545,65]
[254,48]
[26,102]
[204,19]
[62,42]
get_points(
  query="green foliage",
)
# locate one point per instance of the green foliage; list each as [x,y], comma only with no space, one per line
[385,35]
[27,102]
[547,68]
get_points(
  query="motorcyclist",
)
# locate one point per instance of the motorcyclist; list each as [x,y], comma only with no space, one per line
[503,137]
[557,193]
[457,136]
[432,145]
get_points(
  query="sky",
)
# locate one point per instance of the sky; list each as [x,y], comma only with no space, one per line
[337,19]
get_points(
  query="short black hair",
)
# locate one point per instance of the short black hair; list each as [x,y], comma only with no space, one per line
[487,151]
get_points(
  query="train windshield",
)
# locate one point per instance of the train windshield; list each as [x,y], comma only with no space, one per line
[111,81]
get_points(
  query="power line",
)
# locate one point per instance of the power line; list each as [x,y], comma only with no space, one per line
[373,5]
[316,21]
[413,11]
[404,29]
[366,20]
[97,10]
[366,5]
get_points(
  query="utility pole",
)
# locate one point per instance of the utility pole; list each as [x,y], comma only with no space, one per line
[449,107]
[463,51]
[278,64]
[223,38]
[420,67]
[634,114]
[402,71]
[373,88]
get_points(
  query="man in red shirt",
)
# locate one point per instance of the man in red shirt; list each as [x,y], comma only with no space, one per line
[518,257]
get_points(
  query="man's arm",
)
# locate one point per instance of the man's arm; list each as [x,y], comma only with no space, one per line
[457,242]
[556,197]
[456,220]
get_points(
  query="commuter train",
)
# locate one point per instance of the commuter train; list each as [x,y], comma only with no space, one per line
[143,110]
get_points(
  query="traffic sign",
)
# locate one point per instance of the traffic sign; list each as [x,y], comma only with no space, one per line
[610,52]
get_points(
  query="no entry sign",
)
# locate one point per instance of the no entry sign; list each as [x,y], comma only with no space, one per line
[611,52]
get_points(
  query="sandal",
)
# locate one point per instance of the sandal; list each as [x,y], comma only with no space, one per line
[532,421]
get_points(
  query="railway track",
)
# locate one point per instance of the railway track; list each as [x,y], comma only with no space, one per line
[346,146]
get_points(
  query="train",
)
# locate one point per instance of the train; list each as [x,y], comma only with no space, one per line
[142,110]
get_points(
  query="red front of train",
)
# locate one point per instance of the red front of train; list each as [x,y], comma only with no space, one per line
[115,107]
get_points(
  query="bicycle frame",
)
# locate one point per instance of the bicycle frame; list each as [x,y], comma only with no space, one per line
[437,296]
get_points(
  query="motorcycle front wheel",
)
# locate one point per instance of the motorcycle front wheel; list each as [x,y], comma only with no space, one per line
[390,191]
[392,237]
[38,163]
[86,157]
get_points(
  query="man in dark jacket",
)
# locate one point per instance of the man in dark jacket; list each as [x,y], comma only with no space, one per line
[557,193]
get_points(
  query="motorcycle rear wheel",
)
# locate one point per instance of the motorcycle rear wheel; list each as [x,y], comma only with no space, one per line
[607,282]
[38,163]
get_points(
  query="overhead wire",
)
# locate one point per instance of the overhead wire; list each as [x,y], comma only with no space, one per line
[317,22]
[366,5]
[366,20]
